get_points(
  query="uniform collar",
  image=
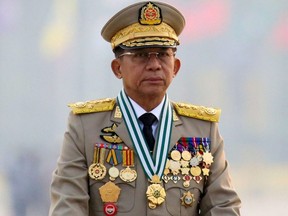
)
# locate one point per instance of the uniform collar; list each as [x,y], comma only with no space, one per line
[140,111]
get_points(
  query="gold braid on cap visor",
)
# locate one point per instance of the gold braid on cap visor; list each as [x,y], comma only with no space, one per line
[141,35]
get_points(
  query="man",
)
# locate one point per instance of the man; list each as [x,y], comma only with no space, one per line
[140,153]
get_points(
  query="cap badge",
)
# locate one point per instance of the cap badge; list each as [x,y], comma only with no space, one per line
[150,14]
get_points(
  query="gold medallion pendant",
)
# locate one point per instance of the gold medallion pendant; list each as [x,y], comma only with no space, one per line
[113,173]
[128,175]
[155,193]
[97,171]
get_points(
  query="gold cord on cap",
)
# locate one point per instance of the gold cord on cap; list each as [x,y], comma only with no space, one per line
[163,32]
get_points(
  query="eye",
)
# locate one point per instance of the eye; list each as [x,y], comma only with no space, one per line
[141,55]
[163,54]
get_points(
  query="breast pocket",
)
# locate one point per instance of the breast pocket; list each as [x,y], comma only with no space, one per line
[183,201]
[125,200]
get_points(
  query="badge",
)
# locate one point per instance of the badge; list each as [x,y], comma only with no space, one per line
[150,14]
[110,209]
[112,137]
[155,193]
[187,199]
[109,192]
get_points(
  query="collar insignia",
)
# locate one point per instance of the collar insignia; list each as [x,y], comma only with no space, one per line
[150,14]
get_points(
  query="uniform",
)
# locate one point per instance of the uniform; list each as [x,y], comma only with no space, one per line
[80,195]
[106,166]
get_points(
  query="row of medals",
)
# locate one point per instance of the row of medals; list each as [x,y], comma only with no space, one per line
[191,167]
[98,171]
[186,166]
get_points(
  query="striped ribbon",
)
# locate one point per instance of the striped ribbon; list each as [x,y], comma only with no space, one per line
[151,165]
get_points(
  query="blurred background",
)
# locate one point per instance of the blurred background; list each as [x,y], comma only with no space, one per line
[234,56]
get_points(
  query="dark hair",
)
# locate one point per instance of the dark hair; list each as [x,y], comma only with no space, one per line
[118,51]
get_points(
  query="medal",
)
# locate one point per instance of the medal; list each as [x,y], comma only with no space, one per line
[112,158]
[195,171]
[205,171]
[185,170]
[194,161]
[175,155]
[175,178]
[174,167]
[197,179]
[207,158]
[165,178]
[184,163]
[186,179]
[187,199]
[128,174]
[113,173]
[97,170]
[186,155]
[155,193]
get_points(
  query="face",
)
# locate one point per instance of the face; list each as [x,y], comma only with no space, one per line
[146,75]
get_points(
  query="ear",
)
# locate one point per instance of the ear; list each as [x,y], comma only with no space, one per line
[177,65]
[115,66]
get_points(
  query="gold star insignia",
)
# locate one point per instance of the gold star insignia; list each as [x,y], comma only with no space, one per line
[205,171]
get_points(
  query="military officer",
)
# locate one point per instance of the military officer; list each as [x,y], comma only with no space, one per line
[140,153]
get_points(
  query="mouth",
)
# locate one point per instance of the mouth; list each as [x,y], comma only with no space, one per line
[153,80]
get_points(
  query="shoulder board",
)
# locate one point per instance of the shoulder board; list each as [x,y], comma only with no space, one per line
[198,112]
[92,106]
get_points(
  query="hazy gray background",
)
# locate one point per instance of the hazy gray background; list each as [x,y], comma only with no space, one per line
[234,56]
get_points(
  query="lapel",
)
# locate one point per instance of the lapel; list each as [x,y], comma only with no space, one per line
[121,129]
[123,133]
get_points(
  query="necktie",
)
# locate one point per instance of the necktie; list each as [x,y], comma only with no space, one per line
[148,119]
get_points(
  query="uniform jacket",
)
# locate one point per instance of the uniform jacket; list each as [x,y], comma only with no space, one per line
[73,192]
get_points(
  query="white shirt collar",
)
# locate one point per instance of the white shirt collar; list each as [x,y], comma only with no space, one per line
[140,111]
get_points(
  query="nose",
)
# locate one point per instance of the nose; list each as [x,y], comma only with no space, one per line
[153,62]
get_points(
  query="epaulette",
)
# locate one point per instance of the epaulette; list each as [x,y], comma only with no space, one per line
[101,105]
[198,112]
